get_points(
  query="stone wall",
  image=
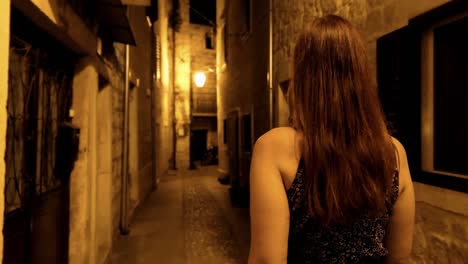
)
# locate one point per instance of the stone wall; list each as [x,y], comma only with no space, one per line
[116,64]
[374,18]
[141,62]
[221,81]
[4,51]
[203,60]
[441,231]
[164,111]
[82,202]
[441,227]
[242,82]
[182,87]
[141,179]
[190,56]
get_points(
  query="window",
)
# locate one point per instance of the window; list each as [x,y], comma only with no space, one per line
[421,79]
[209,41]
[450,114]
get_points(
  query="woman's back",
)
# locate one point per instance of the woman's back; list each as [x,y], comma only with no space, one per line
[278,207]
[361,241]
[343,195]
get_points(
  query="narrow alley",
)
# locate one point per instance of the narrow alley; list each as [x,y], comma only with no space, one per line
[189,219]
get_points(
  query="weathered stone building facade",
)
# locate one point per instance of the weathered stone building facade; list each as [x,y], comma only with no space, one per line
[204,98]
[442,214]
[183,53]
[98,87]
[164,92]
[243,86]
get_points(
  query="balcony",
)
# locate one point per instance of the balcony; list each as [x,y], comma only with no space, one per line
[204,104]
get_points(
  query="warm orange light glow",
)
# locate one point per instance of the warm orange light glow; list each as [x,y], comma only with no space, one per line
[149,21]
[200,79]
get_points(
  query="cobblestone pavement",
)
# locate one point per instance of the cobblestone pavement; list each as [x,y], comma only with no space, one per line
[189,219]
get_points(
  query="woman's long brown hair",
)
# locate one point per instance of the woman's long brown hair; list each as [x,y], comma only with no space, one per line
[348,154]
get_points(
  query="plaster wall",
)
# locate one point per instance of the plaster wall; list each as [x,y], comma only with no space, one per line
[84,173]
[4,51]
[104,174]
[164,92]
[141,160]
[114,59]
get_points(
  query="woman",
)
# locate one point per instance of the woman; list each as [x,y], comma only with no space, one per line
[336,187]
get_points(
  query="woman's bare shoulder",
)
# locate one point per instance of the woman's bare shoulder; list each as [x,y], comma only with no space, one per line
[403,166]
[280,141]
[278,137]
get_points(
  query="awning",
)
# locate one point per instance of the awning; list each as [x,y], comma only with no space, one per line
[113,20]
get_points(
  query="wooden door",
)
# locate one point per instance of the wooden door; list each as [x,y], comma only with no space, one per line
[233,148]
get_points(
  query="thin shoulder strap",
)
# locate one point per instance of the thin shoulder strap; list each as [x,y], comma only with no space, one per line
[397,157]
[395,187]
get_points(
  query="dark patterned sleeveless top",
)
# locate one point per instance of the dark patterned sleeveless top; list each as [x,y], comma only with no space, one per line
[359,242]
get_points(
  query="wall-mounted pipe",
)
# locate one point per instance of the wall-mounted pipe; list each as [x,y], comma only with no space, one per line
[154,71]
[124,197]
[174,116]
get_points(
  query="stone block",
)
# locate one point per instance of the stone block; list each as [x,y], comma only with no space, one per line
[328,7]
[371,4]
[460,230]
[374,22]
[394,16]
[438,249]
[419,243]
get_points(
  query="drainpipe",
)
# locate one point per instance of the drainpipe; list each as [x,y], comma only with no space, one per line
[174,138]
[152,96]
[123,210]
[270,61]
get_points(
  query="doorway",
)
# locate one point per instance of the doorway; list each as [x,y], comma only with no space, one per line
[232,134]
[198,144]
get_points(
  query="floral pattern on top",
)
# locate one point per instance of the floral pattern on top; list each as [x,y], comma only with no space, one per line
[359,242]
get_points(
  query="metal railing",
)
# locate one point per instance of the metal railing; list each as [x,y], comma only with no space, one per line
[204,103]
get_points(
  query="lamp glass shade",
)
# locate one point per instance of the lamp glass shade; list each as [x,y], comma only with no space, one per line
[200,79]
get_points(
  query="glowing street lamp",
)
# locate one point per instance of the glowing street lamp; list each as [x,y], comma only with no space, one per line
[200,79]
